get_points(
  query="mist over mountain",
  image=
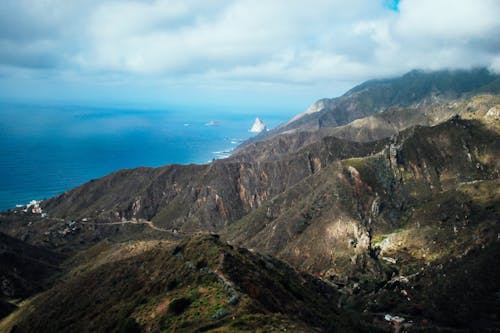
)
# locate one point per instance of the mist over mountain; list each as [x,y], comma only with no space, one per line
[414,89]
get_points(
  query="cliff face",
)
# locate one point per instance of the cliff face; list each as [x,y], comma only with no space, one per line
[258,126]
[335,212]
[371,128]
[196,197]
[185,198]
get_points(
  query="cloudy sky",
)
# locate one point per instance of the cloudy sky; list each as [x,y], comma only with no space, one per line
[257,53]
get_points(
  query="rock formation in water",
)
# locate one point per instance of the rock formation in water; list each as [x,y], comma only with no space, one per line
[258,126]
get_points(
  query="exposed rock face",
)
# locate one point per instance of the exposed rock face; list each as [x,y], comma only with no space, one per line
[204,197]
[258,126]
[374,127]
[493,113]
[198,197]
[332,214]
[319,106]
[412,90]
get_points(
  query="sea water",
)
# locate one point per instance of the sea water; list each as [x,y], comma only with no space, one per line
[48,149]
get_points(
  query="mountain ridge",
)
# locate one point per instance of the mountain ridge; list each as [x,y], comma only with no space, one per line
[234,289]
[395,214]
[375,96]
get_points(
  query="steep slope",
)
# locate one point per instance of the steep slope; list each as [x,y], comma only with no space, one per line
[184,198]
[346,195]
[443,254]
[374,127]
[188,198]
[210,197]
[200,284]
[430,197]
[412,89]
[24,270]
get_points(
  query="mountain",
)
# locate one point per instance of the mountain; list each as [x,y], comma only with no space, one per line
[413,89]
[430,198]
[25,271]
[371,128]
[188,198]
[348,201]
[258,126]
[377,211]
[200,284]
[211,197]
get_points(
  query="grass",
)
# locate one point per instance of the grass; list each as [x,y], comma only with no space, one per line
[378,239]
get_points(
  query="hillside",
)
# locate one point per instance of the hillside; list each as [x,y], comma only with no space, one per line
[24,271]
[413,89]
[371,128]
[430,198]
[383,203]
[188,198]
[353,198]
[200,284]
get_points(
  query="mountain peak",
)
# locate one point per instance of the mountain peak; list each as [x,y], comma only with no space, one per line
[258,126]
[378,95]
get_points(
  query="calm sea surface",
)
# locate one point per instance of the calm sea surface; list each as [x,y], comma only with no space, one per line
[46,150]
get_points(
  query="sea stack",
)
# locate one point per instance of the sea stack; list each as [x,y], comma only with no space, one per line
[258,126]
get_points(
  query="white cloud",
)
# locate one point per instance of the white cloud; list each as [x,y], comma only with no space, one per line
[243,33]
[448,19]
[279,41]
[495,64]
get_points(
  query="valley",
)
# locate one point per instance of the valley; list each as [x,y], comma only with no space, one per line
[377,211]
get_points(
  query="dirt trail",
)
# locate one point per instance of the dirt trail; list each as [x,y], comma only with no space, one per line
[149,223]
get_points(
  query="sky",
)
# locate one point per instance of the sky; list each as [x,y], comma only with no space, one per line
[242,54]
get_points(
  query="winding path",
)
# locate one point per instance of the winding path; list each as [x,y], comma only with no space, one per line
[149,223]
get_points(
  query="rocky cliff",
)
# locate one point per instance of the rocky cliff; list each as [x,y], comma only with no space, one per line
[338,210]
[412,90]
[189,198]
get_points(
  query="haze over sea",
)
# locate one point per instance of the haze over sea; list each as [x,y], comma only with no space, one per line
[48,149]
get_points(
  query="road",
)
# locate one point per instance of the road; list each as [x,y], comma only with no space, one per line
[149,223]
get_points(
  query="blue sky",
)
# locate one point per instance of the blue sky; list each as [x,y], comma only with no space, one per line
[392,4]
[239,54]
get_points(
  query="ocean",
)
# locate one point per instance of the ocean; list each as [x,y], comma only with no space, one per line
[48,149]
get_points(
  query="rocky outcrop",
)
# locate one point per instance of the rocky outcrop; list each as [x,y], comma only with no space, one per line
[412,90]
[328,219]
[197,197]
[375,127]
[258,126]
